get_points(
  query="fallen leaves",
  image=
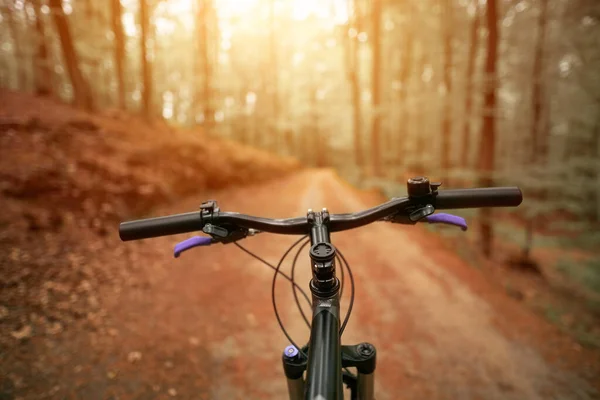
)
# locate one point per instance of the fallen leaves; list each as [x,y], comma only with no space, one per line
[23,333]
[134,357]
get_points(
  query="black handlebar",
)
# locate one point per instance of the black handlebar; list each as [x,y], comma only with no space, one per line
[478,197]
[195,221]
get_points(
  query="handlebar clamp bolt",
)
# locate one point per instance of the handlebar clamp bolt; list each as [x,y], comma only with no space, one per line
[325,215]
[310,216]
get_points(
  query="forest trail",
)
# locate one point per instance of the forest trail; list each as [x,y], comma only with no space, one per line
[203,326]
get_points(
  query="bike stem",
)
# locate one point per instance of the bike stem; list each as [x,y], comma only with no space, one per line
[325,287]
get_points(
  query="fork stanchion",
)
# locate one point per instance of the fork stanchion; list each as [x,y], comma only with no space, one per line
[366,386]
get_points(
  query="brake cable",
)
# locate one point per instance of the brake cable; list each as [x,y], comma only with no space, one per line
[268,264]
[273,295]
[347,318]
[294,286]
[341,261]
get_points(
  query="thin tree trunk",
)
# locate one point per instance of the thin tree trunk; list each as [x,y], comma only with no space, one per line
[422,88]
[275,136]
[538,145]
[488,130]
[16,37]
[405,74]
[469,92]
[119,48]
[595,176]
[375,82]
[319,146]
[446,22]
[147,92]
[538,149]
[43,74]
[81,90]
[354,77]
[204,12]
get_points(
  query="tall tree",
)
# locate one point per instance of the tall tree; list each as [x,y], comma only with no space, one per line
[82,95]
[273,79]
[469,89]
[538,142]
[353,66]
[488,129]
[147,91]
[376,86]
[423,89]
[203,21]
[119,49]
[405,74]
[11,18]
[43,74]
[446,23]
[538,148]
[319,140]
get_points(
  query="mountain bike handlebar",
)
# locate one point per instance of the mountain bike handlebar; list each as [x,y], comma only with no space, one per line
[395,210]
[323,358]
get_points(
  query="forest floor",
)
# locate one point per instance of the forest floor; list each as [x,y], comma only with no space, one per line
[83,315]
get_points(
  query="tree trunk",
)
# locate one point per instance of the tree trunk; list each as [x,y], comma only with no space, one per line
[318,147]
[147,91]
[43,74]
[204,12]
[488,129]
[472,57]
[421,147]
[353,47]
[81,91]
[405,74]
[446,23]
[538,143]
[538,148]
[274,84]
[119,48]
[16,37]
[375,82]
[595,176]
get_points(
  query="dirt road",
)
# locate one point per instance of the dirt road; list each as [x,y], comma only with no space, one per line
[202,326]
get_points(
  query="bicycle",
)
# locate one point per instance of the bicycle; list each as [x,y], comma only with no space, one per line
[324,360]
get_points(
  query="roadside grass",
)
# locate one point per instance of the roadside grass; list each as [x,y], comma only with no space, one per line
[583,330]
[578,318]
[586,273]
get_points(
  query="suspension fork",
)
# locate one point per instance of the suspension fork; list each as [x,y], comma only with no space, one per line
[361,356]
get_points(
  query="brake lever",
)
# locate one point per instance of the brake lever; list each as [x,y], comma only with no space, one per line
[447,219]
[412,217]
[426,214]
[190,243]
[198,241]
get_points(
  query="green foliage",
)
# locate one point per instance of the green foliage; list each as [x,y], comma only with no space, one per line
[552,314]
[587,273]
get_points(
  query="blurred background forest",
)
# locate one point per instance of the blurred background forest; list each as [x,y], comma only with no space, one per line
[473,93]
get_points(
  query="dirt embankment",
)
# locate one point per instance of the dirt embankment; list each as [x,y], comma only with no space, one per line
[67,177]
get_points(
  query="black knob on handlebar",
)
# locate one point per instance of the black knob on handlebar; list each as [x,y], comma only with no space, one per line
[418,186]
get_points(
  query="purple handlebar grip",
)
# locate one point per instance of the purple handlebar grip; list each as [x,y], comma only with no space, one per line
[190,243]
[448,219]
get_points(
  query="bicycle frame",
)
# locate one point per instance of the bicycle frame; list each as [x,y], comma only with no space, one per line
[326,355]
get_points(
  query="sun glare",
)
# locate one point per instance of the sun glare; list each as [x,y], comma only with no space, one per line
[168,15]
